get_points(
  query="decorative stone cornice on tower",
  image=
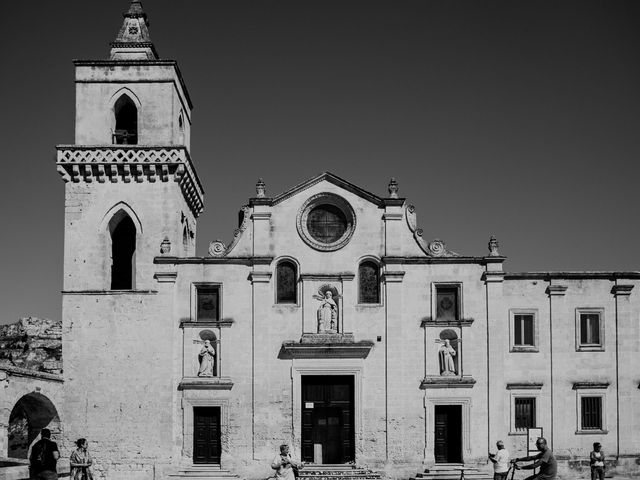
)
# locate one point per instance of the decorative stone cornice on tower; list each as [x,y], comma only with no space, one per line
[126,163]
[133,41]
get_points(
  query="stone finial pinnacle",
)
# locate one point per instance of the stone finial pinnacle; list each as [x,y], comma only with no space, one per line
[493,247]
[133,41]
[393,188]
[260,188]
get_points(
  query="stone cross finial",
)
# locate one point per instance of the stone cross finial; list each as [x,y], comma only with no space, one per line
[393,188]
[493,247]
[260,188]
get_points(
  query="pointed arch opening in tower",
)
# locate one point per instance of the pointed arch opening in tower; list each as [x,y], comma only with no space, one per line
[126,129]
[123,250]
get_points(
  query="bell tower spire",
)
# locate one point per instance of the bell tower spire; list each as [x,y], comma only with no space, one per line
[133,41]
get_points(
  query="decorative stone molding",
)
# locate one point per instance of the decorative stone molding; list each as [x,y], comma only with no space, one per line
[590,385]
[206,383]
[261,189]
[222,323]
[328,277]
[218,248]
[126,163]
[556,290]
[326,199]
[433,381]
[393,188]
[493,276]
[165,277]
[435,248]
[393,277]
[493,247]
[524,386]
[165,246]
[325,346]
[622,290]
[430,322]
[260,277]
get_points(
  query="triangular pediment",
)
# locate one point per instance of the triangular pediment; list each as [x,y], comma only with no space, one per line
[333,179]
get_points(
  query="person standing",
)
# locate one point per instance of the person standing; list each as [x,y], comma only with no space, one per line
[80,461]
[596,460]
[545,460]
[284,464]
[500,462]
[44,457]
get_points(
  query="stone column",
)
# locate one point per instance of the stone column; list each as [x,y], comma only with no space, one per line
[260,293]
[625,340]
[557,312]
[497,413]
[395,372]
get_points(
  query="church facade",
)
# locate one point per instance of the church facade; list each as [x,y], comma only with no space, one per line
[328,322]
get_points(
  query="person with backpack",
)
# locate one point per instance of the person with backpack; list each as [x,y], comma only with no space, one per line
[44,457]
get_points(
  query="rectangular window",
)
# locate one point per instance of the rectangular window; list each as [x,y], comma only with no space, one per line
[591,418]
[208,303]
[589,329]
[447,303]
[523,329]
[525,413]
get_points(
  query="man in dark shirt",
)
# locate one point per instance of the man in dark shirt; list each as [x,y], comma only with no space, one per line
[44,456]
[545,460]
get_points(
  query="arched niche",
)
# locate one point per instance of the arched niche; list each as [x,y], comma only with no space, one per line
[31,413]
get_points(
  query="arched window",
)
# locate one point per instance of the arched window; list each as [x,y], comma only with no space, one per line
[126,131]
[369,282]
[286,282]
[123,249]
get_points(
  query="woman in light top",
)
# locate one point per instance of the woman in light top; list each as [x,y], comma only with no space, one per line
[81,461]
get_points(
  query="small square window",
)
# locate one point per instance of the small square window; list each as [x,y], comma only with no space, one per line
[525,413]
[447,303]
[208,303]
[591,408]
[524,330]
[589,329]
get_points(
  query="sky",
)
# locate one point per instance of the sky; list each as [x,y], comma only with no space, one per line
[518,119]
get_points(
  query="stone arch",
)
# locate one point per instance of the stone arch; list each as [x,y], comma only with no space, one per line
[125,106]
[369,280]
[30,414]
[287,273]
[126,208]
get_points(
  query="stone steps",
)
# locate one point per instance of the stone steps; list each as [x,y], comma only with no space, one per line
[336,472]
[453,472]
[202,473]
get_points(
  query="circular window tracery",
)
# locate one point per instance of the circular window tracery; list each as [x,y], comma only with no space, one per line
[326,222]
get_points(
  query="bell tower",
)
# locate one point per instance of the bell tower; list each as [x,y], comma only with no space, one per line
[131,194]
[130,163]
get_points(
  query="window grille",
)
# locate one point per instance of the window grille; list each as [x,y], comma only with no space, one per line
[327,223]
[525,417]
[591,413]
[286,283]
[369,282]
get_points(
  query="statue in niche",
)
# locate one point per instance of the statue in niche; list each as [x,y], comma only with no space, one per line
[447,362]
[207,359]
[328,309]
